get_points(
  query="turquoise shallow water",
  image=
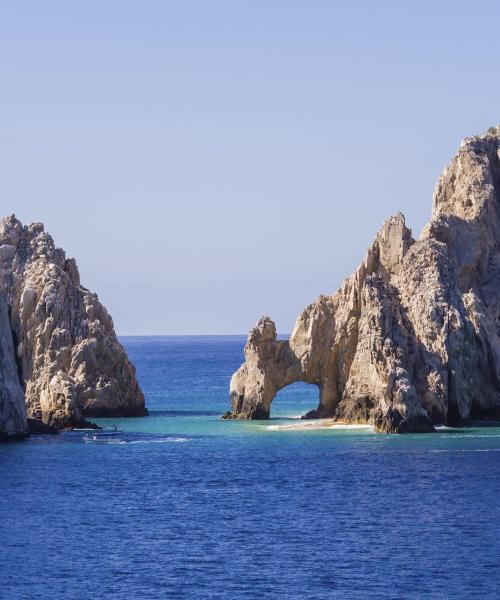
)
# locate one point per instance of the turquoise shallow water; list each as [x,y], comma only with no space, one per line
[189,506]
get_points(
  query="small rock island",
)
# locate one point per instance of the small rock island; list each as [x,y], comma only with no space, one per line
[411,340]
[60,360]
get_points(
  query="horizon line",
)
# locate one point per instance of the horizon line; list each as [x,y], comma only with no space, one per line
[119,335]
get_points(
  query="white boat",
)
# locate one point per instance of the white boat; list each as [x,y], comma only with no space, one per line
[103,436]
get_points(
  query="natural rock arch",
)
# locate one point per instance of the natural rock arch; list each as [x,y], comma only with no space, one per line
[411,339]
[271,365]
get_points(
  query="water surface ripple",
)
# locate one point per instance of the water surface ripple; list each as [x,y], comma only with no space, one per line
[242,510]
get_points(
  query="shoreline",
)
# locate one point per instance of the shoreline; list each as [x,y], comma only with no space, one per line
[318,424]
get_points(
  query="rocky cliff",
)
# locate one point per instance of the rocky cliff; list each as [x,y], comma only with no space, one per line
[13,422]
[412,339]
[58,347]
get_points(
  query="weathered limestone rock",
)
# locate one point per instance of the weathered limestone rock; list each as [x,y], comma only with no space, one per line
[269,365]
[69,360]
[412,338]
[13,423]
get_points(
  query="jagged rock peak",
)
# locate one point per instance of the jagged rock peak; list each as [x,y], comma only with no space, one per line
[469,185]
[69,361]
[390,247]
[412,339]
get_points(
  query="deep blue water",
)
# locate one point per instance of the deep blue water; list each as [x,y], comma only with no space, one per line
[190,506]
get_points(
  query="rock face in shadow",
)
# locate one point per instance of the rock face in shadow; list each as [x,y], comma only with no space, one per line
[412,339]
[13,422]
[68,359]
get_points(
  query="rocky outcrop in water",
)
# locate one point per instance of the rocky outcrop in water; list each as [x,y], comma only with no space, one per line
[59,339]
[412,339]
[13,422]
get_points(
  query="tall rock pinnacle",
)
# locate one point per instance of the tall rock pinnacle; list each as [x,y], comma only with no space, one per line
[60,337]
[412,339]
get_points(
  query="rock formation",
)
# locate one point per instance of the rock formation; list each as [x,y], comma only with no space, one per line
[57,342]
[13,422]
[412,339]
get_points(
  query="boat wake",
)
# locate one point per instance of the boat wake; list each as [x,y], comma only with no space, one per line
[169,440]
[450,450]
[133,439]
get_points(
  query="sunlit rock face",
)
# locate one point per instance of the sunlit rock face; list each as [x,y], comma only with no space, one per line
[412,339]
[68,360]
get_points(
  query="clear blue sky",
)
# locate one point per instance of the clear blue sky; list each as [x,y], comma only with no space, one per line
[208,162]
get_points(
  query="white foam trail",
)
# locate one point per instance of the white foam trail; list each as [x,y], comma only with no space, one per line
[468,450]
[471,435]
[288,417]
[171,440]
[162,441]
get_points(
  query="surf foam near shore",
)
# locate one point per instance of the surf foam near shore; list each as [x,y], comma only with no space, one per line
[318,424]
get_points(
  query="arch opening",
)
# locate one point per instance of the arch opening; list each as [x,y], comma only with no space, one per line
[295,401]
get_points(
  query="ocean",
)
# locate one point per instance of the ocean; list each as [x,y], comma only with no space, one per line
[189,506]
